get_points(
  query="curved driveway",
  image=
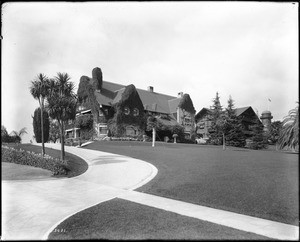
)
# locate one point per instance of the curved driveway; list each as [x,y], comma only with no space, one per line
[31,209]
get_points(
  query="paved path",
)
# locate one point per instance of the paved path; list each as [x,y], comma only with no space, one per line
[30,209]
[108,176]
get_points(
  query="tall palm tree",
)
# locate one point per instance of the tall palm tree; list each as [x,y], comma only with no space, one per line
[61,103]
[289,134]
[39,90]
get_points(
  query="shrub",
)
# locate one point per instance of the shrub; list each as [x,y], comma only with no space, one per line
[37,125]
[23,157]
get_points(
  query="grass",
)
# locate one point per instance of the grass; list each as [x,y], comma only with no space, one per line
[76,165]
[257,183]
[11,171]
[119,219]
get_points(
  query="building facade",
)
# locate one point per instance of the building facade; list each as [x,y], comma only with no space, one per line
[121,110]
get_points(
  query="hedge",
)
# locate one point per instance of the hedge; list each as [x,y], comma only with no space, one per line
[23,157]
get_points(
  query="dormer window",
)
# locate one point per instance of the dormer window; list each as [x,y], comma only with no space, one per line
[126,111]
[135,112]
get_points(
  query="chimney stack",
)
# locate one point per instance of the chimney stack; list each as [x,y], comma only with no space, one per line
[97,77]
[150,89]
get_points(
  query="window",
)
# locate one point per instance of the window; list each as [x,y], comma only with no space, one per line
[126,111]
[187,121]
[201,125]
[103,130]
[135,112]
[100,113]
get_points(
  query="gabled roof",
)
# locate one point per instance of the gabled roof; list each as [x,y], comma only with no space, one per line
[111,93]
[173,104]
[238,111]
[202,112]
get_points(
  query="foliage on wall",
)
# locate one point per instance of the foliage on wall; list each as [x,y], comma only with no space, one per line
[164,127]
[186,103]
[86,97]
[122,113]
[84,121]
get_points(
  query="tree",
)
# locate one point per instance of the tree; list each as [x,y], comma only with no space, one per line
[54,131]
[234,135]
[4,135]
[289,135]
[218,121]
[230,107]
[258,138]
[17,136]
[37,125]
[275,131]
[61,103]
[233,129]
[39,90]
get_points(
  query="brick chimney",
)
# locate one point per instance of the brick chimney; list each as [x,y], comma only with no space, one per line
[150,89]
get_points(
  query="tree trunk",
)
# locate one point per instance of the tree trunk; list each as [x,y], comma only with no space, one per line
[62,140]
[224,147]
[153,136]
[42,127]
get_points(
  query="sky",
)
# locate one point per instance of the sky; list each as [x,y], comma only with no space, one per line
[248,50]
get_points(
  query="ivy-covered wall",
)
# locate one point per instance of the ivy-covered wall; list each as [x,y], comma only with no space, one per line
[186,112]
[129,111]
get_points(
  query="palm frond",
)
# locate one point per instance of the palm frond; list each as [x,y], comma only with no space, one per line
[289,135]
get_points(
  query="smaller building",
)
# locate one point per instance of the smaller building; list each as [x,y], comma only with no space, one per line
[203,120]
[266,118]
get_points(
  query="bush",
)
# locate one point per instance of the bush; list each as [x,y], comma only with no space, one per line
[28,158]
[37,129]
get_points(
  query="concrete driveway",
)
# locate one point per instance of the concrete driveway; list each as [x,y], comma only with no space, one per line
[31,209]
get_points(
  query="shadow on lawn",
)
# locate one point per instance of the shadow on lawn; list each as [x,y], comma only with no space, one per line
[103,160]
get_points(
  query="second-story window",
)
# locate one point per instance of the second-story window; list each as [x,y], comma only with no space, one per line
[135,112]
[126,111]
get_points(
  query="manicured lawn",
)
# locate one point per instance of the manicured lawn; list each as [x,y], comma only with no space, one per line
[263,184]
[76,165]
[119,219]
[11,171]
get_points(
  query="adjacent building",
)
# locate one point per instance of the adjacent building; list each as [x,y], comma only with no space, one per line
[203,120]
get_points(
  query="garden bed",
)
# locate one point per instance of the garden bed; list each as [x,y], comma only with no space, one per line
[75,165]
[30,158]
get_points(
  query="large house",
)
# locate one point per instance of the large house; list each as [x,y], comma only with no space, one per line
[121,109]
[203,120]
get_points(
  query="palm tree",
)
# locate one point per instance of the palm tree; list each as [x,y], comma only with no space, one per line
[18,135]
[61,103]
[289,134]
[39,90]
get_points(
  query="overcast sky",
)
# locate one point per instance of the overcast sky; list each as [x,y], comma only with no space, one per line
[248,50]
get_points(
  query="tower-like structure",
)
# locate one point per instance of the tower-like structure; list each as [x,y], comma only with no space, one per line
[266,118]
